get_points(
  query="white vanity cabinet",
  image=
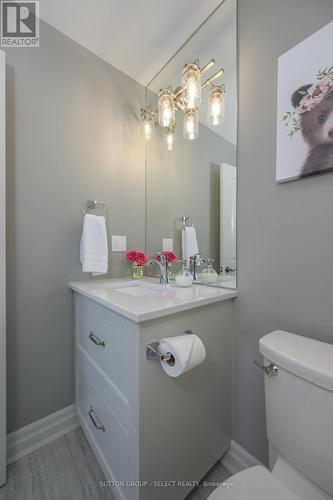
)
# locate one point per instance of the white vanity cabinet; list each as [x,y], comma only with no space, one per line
[145,427]
[106,380]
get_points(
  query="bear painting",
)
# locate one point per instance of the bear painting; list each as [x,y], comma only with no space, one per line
[305,108]
[315,108]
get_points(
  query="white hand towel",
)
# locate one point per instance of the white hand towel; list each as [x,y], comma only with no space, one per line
[189,243]
[94,254]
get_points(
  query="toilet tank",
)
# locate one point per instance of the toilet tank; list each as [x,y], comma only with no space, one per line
[299,403]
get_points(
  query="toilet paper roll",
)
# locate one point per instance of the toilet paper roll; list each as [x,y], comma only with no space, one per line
[188,351]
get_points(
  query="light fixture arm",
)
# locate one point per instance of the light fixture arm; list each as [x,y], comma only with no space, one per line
[213,78]
[208,66]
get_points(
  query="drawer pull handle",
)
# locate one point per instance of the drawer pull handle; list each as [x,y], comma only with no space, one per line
[98,426]
[96,340]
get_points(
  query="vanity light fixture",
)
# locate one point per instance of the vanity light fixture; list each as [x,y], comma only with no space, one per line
[187,99]
[216,105]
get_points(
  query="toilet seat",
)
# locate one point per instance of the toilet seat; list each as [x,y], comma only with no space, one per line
[255,483]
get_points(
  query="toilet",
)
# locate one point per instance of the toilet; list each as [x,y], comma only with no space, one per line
[299,416]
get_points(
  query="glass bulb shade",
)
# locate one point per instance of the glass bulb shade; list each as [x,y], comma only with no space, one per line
[216,106]
[148,123]
[191,124]
[148,130]
[191,86]
[170,137]
[166,108]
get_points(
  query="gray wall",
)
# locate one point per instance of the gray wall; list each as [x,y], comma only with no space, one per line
[285,232]
[73,133]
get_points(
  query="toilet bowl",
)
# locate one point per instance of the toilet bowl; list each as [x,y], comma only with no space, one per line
[299,416]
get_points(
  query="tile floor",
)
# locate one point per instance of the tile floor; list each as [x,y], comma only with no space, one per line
[66,469]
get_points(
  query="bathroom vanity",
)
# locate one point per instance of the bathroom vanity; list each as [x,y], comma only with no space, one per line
[146,428]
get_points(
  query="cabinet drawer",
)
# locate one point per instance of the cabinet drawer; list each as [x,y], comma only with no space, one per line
[105,388]
[109,438]
[107,342]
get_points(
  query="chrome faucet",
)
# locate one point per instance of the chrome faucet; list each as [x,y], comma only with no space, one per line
[163,265]
[196,260]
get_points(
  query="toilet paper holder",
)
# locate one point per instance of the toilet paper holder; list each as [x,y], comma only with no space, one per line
[153,353]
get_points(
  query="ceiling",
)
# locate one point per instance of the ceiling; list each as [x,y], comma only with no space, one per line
[137,37]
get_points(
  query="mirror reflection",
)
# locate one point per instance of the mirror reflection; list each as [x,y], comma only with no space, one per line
[190,122]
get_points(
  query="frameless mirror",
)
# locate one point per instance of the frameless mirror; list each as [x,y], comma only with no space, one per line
[192,183]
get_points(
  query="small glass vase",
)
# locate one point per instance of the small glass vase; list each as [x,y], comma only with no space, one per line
[137,272]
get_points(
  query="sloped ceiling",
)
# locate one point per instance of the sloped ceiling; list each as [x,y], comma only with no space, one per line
[137,37]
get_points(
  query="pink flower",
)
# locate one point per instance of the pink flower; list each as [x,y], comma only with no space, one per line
[315,94]
[315,90]
[308,103]
[138,258]
[171,257]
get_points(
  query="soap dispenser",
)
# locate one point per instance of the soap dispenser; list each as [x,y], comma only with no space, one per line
[184,278]
[209,275]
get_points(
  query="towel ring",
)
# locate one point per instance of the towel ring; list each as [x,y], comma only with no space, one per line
[93,204]
[185,222]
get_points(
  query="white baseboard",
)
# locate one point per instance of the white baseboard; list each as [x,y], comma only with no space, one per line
[39,433]
[237,459]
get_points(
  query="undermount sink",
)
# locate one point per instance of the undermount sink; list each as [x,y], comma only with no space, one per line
[137,290]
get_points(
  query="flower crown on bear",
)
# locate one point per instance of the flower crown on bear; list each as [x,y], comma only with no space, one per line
[311,96]
[316,94]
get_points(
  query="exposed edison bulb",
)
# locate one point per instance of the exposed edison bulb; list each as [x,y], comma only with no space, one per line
[166,108]
[170,136]
[166,116]
[216,105]
[148,122]
[191,124]
[216,111]
[191,94]
[191,86]
[148,130]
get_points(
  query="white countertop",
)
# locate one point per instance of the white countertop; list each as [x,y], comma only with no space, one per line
[142,300]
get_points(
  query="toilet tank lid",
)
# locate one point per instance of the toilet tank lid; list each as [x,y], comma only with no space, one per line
[307,358]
